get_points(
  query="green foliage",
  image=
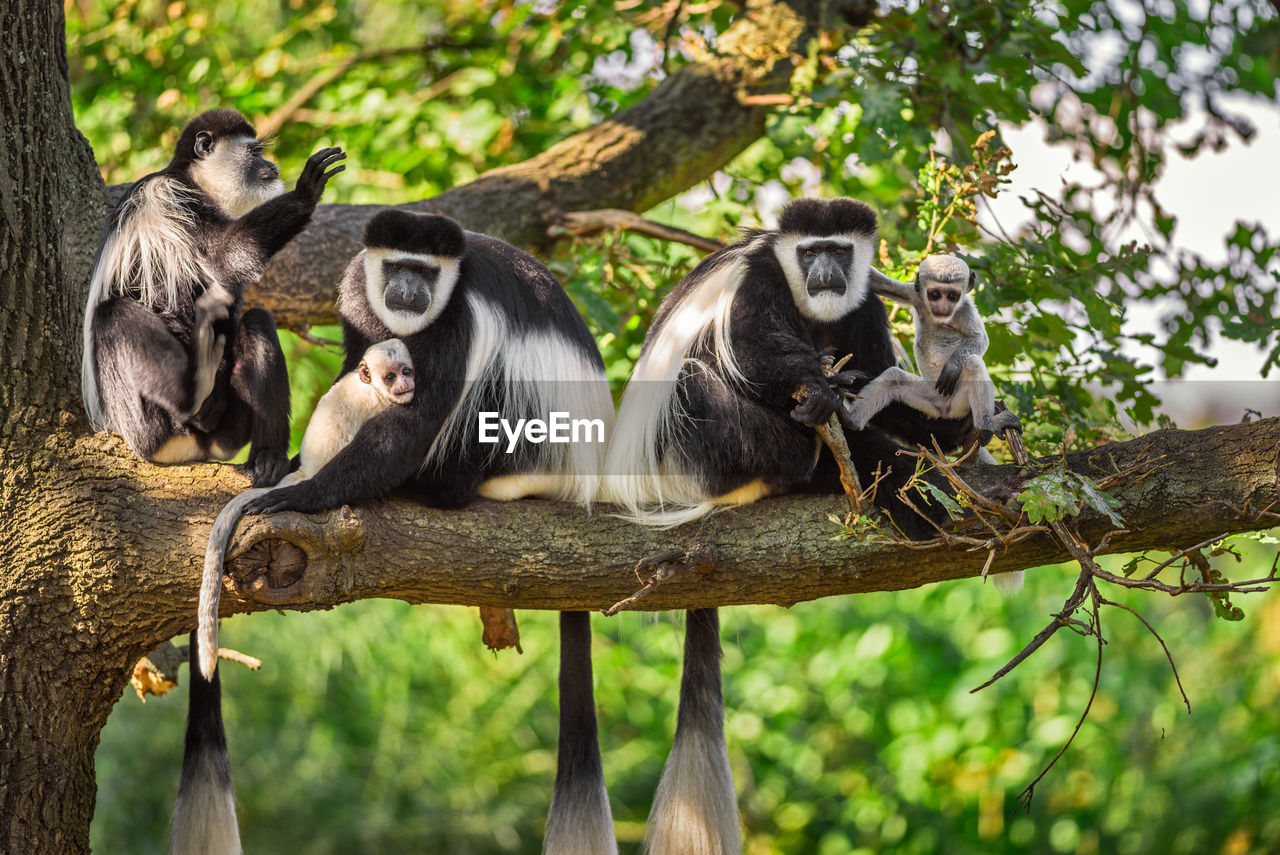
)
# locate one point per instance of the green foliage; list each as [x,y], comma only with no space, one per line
[1058,492]
[384,727]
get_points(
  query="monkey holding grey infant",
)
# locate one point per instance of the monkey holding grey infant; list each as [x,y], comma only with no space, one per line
[949,343]
[384,377]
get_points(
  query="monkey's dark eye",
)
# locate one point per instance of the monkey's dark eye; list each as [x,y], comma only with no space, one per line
[408,372]
[390,378]
[839,251]
[935,295]
[808,253]
[953,296]
[397,266]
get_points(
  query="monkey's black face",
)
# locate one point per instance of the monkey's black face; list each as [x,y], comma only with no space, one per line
[259,169]
[407,290]
[409,284]
[825,265]
[942,300]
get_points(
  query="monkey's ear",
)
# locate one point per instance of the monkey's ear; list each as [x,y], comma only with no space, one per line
[365,376]
[971,278]
[204,144]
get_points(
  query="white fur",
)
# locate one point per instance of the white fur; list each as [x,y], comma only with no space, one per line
[180,448]
[150,250]
[540,374]
[221,175]
[407,323]
[338,416]
[204,818]
[1008,583]
[827,306]
[695,811]
[651,491]
[585,828]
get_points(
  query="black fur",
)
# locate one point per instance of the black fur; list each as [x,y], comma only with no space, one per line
[822,218]
[144,356]
[579,783]
[745,433]
[430,234]
[221,123]
[390,448]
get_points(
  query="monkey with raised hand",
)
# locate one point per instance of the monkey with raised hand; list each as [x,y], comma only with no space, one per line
[169,361]
[950,340]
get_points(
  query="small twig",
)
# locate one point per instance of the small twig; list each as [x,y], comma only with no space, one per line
[604,219]
[663,565]
[781,99]
[279,117]
[832,435]
[250,662]
[1083,584]
[1024,798]
[1177,679]
[305,335]
[1183,554]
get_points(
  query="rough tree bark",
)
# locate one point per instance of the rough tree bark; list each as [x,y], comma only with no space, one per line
[100,554]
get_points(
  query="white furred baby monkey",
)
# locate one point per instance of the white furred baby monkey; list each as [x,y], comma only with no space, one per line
[949,344]
[384,378]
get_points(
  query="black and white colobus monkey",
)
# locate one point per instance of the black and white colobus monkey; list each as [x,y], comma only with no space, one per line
[708,420]
[204,818]
[169,362]
[491,330]
[950,340]
[383,378]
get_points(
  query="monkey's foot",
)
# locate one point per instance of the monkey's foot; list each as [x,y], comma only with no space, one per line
[266,468]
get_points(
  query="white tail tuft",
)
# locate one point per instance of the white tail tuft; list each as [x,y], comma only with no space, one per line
[695,811]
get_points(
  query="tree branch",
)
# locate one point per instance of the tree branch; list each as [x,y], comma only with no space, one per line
[580,223]
[551,555]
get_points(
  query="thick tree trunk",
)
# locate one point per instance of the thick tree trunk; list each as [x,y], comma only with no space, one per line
[54,695]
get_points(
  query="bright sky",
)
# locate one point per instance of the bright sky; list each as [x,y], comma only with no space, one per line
[1208,194]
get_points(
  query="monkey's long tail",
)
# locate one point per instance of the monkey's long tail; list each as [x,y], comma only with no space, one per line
[580,822]
[211,581]
[204,818]
[695,811]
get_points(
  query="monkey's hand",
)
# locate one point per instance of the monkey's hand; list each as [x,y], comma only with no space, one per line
[949,377]
[844,384]
[293,498]
[314,175]
[818,404]
[1002,421]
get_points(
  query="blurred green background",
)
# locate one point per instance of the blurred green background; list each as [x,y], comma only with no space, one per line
[380,727]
